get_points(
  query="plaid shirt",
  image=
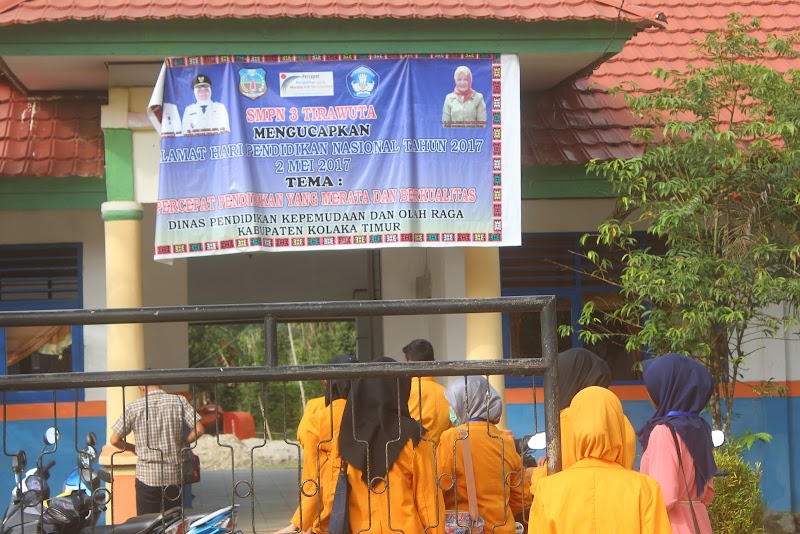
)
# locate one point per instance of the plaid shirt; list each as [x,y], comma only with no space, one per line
[159,423]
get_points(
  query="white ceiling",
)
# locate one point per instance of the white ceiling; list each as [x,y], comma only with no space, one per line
[98,73]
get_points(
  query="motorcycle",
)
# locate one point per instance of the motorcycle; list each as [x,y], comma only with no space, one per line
[83,487]
[77,508]
[530,448]
[174,521]
[86,458]
[83,500]
[221,521]
[30,491]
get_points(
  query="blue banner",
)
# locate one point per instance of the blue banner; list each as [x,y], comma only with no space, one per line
[335,151]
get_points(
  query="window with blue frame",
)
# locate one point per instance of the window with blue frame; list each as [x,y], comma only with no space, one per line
[554,264]
[41,277]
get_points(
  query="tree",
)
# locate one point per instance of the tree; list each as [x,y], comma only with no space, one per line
[242,345]
[718,184]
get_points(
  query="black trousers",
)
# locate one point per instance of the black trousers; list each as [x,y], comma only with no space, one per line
[150,499]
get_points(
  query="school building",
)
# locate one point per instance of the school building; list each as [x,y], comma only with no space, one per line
[79,166]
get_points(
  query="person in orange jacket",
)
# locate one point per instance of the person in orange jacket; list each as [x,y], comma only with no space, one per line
[311,408]
[390,466]
[427,393]
[320,442]
[318,403]
[597,494]
[579,368]
[502,494]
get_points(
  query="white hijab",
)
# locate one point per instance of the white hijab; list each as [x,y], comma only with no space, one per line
[474,398]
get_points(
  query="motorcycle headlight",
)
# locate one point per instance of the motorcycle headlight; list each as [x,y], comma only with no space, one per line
[57,515]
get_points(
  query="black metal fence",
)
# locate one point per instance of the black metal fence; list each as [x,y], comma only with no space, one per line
[244,490]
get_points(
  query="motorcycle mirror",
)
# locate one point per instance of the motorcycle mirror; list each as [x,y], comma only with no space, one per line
[86,476]
[717,437]
[51,436]
[87,456]
[19,461]
[538,441]
[91,439]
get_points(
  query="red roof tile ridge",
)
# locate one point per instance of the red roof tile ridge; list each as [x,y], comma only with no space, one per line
[27,11]
[8,5]
[656,16]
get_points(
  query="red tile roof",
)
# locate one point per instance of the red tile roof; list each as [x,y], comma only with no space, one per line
[63,138]
[32,11]
[579,122]
[49,137]
[572,124]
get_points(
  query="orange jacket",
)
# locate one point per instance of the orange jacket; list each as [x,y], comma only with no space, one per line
[435,408]
[596,494]
[312,406]
[410,503]
[568,448]
[497,465]
[320,466]
[595,497]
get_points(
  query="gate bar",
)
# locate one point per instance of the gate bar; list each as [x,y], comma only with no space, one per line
[282,310]
[288,373]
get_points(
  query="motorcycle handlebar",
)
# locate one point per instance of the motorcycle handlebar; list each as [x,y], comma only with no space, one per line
[45,469]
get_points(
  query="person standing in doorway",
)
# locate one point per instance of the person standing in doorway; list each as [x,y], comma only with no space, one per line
[158,421]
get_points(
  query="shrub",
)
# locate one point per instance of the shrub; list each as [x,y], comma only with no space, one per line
[738,505]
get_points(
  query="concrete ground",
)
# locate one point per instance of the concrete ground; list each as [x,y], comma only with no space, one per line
[267,509]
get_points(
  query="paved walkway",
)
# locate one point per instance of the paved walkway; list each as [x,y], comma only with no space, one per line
[269,508]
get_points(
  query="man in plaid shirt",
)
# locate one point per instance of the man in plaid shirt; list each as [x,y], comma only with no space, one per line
[159,421]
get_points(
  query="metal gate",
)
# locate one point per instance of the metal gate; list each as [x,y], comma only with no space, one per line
[245,489]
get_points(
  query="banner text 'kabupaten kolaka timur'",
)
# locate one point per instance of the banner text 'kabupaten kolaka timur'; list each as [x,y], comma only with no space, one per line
[283,153]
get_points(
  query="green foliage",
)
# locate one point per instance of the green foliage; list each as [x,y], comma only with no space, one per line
[717,186]
[748,439]
[738,504]
[242,345]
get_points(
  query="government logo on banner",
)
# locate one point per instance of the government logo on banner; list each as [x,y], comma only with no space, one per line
[286,153]
[363,82]
[252,83]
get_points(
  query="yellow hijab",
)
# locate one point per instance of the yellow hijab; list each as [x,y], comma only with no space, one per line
[598,425]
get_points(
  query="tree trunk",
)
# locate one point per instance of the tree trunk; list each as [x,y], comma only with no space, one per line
[715,404]
[724,384]
[294,360]
[264,413]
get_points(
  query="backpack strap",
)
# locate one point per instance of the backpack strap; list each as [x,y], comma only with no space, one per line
[469,472]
